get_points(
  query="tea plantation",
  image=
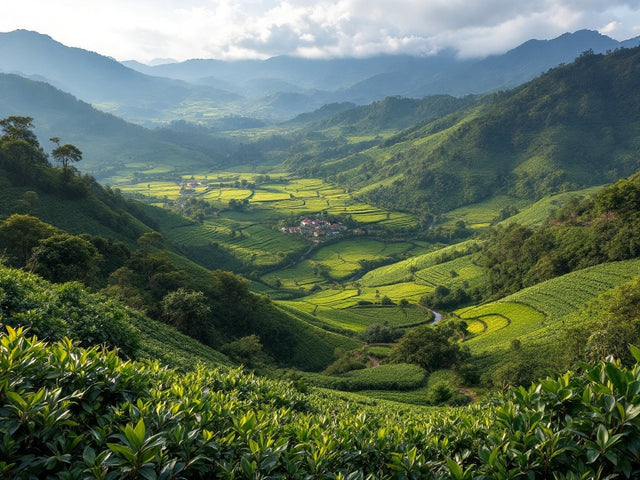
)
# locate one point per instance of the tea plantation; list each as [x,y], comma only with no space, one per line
[68,412]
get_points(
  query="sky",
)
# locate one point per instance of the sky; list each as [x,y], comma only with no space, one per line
[145,30]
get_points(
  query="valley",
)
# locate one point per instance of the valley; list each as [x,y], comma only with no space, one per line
[454,277]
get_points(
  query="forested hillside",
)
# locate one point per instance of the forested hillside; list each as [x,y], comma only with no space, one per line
[573,126]
[65,227]
[109,143]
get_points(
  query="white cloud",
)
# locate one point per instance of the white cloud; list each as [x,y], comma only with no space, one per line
[145,29]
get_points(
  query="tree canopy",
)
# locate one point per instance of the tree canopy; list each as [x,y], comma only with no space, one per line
[432,347]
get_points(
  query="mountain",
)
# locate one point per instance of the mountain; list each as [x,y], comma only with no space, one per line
[107,142]
[366,80]
[576,125]
[98,79]
[495,72]
[278,88]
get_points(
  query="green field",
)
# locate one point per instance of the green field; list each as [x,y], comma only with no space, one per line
[540,211]
[392,377]
[250,234]
[252,243]
[338,262]
[355,319]
[480,215]
[543,307]
[403,271]
[458,272]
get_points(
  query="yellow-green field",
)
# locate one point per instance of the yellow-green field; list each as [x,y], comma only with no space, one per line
[251,233]
[543,307]
[301,196]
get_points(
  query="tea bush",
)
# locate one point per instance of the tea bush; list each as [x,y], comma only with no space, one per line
[69,412]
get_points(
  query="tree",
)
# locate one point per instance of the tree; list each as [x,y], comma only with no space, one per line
[19,234]
[19,128]
[380,332]
[20,151]
[188,311]
[617,325]
[150,239]
[246,350]
[65,155]
[431,347]
[65,258]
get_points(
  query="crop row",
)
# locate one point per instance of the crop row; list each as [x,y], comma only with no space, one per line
[563,295]
[403,270]
[450,274]
[385,377]
[75,413]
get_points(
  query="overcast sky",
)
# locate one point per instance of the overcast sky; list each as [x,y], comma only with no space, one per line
[181,29]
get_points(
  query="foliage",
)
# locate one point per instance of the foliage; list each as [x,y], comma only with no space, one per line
[432,347]
[445,298]
[54,311]
[245,350]
[188,312]
[65,258]
[19,234]
[346,362]
[380,332]
[65,155]
[611,322]
[66,411]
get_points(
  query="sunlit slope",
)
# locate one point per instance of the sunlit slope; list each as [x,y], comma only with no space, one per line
[536,312]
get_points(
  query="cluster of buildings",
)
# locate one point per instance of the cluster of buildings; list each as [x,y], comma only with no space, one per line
[316,228]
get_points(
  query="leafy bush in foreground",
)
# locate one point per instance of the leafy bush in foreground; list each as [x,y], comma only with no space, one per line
[66,412]
[53,311]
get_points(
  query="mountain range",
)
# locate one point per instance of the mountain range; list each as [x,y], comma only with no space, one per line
[281,87]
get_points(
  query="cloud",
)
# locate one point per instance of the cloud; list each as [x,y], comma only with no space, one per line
[183,29]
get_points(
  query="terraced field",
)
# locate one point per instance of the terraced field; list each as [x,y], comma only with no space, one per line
[542,307]
[540,211]
[298,196]
[338,261]
[403,271]
[356,319]
[454,273]
[250,234]
[252,243]
[481,214]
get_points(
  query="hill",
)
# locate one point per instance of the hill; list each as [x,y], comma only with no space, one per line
[111,146]
[98,79]
[572,127]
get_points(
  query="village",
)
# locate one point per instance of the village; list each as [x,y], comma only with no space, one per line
[319,228]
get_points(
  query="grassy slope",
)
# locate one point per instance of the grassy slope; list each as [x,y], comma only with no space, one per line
[537,313]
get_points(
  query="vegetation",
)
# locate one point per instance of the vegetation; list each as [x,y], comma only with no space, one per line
[153,422]
[433,347]
[55,311]
[356,279]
